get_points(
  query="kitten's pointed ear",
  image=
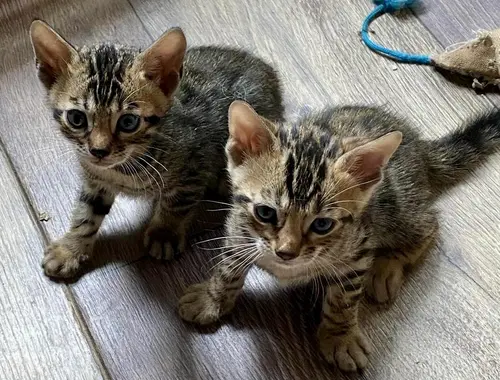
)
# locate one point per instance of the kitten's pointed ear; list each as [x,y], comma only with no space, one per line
[53,53]
[249,133]
[162,61]
[365,163]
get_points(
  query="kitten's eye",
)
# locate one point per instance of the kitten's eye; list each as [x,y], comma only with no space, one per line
[265,214]
[128,123]
[322,226]
[76,118]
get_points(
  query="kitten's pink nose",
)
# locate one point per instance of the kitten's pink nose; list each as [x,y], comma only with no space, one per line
[286,255]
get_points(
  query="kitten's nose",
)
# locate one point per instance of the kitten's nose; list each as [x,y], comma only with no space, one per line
[286,255]
[99,153]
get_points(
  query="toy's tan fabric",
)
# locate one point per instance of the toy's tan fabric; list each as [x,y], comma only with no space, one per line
[479,58]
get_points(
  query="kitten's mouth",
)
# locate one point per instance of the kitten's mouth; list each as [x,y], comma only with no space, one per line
[108,162]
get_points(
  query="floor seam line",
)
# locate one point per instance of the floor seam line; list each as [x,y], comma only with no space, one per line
[68,293]
[140,20]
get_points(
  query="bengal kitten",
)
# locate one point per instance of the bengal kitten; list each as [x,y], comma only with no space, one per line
[145,122]
[343,197]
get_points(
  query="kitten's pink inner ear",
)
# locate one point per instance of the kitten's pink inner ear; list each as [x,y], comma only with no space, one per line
[365,163]
[53,53]
[163,60]
[247,129]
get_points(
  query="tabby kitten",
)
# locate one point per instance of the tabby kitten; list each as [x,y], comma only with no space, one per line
[150,122]
[344,197]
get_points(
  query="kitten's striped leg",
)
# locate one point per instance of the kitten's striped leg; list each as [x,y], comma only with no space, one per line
[64,257]
[341,341]
[388,271]
[207,302]
[165,237]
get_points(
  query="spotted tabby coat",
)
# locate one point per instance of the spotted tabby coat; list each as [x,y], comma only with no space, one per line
[342,199]
[147,123]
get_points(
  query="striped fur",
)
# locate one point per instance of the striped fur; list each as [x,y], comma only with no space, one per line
[323,166]
[177,153]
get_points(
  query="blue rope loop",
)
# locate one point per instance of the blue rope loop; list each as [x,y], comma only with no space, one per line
[389,6]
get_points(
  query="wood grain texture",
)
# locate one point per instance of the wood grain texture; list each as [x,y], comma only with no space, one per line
[39,337]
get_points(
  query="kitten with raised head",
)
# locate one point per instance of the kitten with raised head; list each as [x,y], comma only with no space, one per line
[145,122]
[344,197]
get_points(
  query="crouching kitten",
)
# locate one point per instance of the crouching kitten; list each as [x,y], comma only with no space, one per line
[149,122]
[345,197]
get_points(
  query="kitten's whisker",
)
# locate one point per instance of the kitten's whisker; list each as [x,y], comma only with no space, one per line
[356,185]
[230,252]
[342,276]
[226,237]
[331,268]
[154,159]
[221,203]
[128,171]
[155,148]
[56,159]
[340,208]
[226,246]
[248,260]
[136,171]
[166,137]
[151,175]
[241,255]
[134,92]
[351,200]
[156,170]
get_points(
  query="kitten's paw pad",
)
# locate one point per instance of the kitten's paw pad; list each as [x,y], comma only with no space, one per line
[348,352]
[161,244]
[60,262]
[386,280]
[199,306]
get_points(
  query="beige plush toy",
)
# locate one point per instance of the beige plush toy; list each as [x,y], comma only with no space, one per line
[479,58]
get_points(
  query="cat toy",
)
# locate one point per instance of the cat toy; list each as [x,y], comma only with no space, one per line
[478,58]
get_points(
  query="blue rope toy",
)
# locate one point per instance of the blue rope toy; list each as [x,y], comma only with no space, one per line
[478,58]
[390,6]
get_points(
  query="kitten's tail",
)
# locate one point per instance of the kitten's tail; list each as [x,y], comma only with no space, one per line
[452,157]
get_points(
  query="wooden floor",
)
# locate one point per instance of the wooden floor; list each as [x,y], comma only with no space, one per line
[119,321]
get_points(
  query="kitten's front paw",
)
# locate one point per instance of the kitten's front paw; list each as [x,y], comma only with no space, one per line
[198,305]
[384,283]
[60,262]
[162,244]
[348,352]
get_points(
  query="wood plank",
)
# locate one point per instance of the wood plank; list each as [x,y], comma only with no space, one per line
[39,336]
[454,21]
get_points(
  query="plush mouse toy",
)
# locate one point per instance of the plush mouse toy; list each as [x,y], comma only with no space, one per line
[478,58]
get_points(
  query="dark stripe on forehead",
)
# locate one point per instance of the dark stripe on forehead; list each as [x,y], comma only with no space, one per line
[107,65]
[290,170]
[309,158]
